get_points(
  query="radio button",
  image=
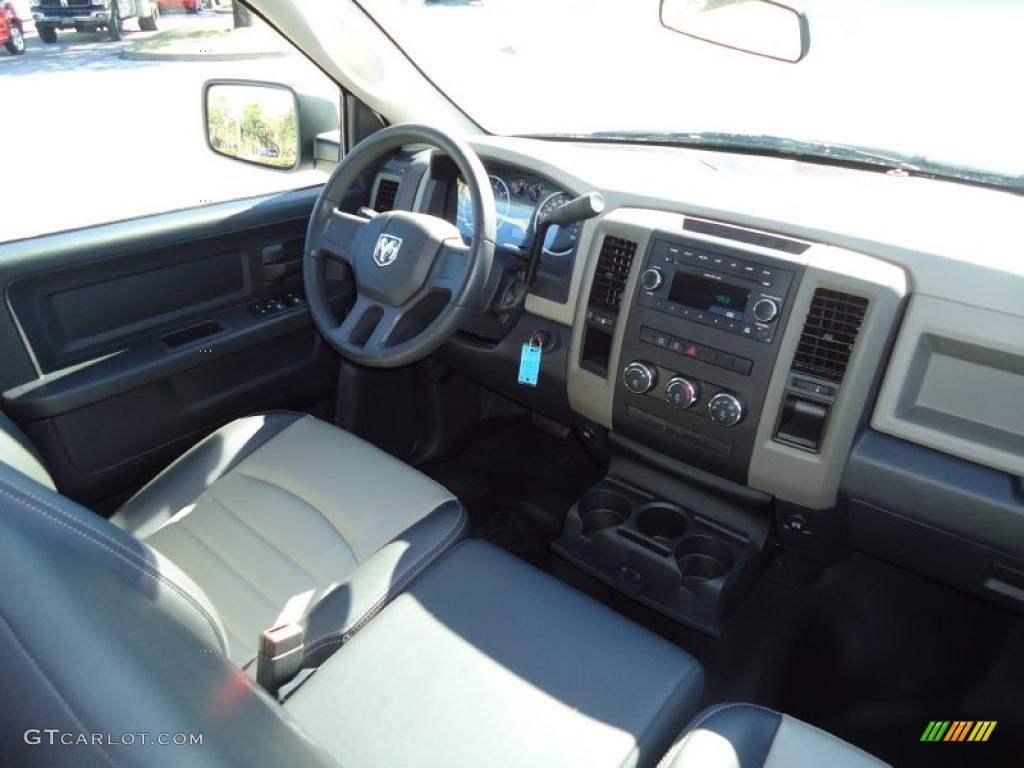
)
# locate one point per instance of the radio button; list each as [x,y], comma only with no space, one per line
[652,279]
[765,310]
[742,365]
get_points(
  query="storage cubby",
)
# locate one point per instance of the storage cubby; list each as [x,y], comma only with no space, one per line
[674,559]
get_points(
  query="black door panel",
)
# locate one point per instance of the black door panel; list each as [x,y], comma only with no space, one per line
[130,341]
[109,447]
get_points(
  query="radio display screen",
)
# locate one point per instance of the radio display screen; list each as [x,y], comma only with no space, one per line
[709,295]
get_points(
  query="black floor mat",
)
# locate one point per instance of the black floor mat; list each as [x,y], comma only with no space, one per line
[870,652]
[516,482]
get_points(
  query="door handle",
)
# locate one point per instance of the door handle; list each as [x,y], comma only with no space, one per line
[280,260]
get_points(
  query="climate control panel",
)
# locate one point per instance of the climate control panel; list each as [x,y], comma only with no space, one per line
[682,393]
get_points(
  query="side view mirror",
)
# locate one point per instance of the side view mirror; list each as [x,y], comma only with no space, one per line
[254,122]
[761,27]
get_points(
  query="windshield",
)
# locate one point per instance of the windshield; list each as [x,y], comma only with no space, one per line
[929,79]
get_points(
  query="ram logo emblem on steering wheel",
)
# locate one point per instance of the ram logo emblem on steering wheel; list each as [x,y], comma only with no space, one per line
[386,250]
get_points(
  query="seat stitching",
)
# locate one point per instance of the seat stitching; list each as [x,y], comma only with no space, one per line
[831,736]
[241,576]
[143,568]
[262,536]
[698,721]
[315,508]
[343,634]
[49,684]
[184,458]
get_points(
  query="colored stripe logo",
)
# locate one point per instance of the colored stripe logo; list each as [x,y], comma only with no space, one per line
[958,730]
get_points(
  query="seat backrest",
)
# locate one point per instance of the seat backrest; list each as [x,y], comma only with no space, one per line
[17,451]
[101,635]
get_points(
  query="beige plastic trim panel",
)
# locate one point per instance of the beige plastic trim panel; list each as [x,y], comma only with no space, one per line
[984,351]
[812,480]
[589,394]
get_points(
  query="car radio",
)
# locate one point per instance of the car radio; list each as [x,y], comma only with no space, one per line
[714,289]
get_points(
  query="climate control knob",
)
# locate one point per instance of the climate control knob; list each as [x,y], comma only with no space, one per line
[766,310]
[640,377]
[681,393]
[725,410]
[651,279]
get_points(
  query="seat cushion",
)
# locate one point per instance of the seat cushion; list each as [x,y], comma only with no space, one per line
[751,736]
[283,517]
[487,661]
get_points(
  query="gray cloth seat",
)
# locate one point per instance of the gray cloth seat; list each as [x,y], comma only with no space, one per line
[487,661]
[283,517]
[751,736]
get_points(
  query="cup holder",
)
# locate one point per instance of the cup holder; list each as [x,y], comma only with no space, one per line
[702,558]
[661,521]
[602,509]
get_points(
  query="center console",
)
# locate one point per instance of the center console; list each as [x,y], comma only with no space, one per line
[698,350]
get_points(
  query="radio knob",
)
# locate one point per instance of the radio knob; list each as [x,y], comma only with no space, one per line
[766,310]
[725,410]
[651,279]
[640,377]
[681,393]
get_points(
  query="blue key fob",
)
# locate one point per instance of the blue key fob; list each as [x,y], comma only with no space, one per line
[529,365]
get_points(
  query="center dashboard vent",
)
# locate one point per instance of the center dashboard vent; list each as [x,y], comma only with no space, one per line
[613,265]
[829,333]
[387,191]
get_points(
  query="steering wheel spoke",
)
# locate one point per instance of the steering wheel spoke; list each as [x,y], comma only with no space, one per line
[340,236]
[451,267]
[367,327]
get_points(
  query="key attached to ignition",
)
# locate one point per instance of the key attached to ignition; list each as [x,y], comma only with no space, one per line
[529,363]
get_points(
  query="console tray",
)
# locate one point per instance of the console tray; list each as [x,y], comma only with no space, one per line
[671,558]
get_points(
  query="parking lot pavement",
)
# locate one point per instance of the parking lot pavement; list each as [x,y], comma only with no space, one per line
[102,138]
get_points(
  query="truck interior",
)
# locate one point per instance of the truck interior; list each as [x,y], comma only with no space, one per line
[522,448]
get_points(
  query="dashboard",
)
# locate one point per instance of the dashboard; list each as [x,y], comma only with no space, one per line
[841,341]
[518,200]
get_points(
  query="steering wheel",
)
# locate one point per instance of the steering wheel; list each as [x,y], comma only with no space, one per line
[415,279]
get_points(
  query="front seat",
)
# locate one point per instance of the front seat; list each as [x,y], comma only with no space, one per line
[752,736]
[274,518]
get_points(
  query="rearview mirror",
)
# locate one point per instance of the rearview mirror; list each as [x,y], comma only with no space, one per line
[253,122]
[762,27]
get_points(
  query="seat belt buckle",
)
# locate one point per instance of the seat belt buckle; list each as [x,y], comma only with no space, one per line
[280,656]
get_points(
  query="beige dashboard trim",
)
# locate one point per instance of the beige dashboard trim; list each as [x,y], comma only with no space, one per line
[803,478]
[591,395]
[810,479]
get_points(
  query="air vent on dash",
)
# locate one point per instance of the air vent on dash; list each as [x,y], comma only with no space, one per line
[829,333]
[387,190]
[613,265]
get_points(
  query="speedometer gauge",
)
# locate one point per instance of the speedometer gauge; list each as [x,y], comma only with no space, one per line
[464,210]
[502,199]
[560,240]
